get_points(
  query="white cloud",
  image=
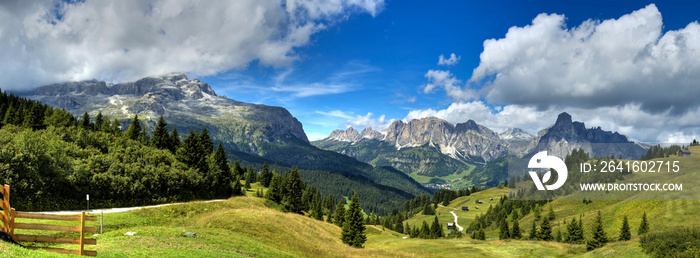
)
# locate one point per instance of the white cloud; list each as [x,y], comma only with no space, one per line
[336,113]
[451,85]
[611,63]
[52,41]
[450,61]
[316,136]
[360,122]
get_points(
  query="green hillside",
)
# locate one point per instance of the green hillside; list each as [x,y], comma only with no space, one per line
[243,226]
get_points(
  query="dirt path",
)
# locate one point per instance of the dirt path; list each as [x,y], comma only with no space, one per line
[456,225]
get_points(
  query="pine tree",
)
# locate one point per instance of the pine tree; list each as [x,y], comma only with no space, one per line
[644,226]
[116,127]
[504,231]
[161,138]
[515,233]
[599,238]
[340,213]
[550,214]
[134,129]
[428,209]
[85,122]
[237,170]
[481,235]
[99,120]
[274,193]
[317,208]
[175,142]
[625,233]
[545,232]
[221,163]
[425,230]
[353,230]
[398,226]
[248,179]
[265,176]
[292,200]
[436,230]
[407,230]
[206,145]
[533,231]
[189,152]
[558,238]
[236,187]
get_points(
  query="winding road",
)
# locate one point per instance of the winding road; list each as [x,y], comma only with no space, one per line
[456,225]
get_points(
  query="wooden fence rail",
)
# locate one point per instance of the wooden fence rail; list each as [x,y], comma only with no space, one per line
[9,226]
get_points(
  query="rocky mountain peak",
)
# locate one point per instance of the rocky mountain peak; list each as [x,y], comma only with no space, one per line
[349,135]
[563,119]
[515,134]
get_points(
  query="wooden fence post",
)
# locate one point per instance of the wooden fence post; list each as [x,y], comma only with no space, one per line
[5,207]
[82,233]
[12,223]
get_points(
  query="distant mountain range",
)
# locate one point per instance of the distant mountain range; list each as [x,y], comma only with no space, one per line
[434,147]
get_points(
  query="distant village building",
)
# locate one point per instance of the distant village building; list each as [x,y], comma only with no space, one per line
[465,208]
[490,199]
[450,225]
[479,202]
[684,153]
[476,207]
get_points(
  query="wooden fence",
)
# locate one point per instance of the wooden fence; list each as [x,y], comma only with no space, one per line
[9,226]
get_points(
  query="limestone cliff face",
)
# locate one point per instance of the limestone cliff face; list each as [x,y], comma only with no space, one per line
[565,135]
[458,141]
[185,103]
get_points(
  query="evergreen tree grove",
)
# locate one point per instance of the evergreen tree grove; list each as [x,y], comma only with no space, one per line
[340,213]
[353,229]
[545,232]
[161,138]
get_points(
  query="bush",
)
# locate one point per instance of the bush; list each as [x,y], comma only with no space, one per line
[673,243]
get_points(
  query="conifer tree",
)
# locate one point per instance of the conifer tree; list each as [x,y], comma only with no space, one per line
[504,231]
[274,193]
[143,137]
[643,226]
[515,233]
[175,142]
[206,145]
[436,230]
[85,122]
[550,214]
[99,120]
[533,231]
[545,232]
[265,176]
[189,152]
[221,162]
[599,237]
[161,138]
[236,187]
[317,208]
[134,129]
[247,179]
[625,233]
[292,200]
[481,235]
[237,170]
[428,209]
[116,127]
[340,213]
[353,229]
[558,237]
[425,230]
[407,229]
[398,226]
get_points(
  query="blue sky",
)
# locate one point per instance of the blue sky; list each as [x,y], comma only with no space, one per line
[627,66]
